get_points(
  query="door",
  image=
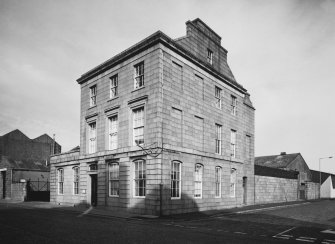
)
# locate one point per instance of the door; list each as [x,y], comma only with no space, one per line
[3,174]
[94,190]
[245,190]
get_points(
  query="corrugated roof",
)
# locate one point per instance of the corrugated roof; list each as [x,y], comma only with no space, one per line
[324,177]
[23,164]
[273,172]
[276,161]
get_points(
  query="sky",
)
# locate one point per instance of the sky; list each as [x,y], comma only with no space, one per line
[281,51]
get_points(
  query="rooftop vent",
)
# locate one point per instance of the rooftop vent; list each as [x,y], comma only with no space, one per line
[283,153]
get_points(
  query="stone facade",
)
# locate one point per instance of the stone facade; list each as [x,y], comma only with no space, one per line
[185,99]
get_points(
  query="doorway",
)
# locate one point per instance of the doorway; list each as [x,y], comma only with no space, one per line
[3,174]
[245,180]
[94,189]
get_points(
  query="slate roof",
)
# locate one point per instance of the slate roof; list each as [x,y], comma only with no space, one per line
[7,162]
[280,161]
[274,172]
[324,177]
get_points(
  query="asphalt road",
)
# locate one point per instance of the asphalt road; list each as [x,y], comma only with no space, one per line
[286,225]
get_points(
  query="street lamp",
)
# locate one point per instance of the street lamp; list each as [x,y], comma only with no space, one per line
[320,174]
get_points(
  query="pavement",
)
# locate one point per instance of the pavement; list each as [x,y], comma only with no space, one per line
[109,213]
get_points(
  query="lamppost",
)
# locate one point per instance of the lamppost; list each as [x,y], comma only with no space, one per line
[320,174]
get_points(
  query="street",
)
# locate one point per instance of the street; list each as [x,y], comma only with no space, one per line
[312,222]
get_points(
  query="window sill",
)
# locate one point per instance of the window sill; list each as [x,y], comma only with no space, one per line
[175,198]
[136,89]
[197,197]
[91,107]
[113,196]
[139,197]
[111,99]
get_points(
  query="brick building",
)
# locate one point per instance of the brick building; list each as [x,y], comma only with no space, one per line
[165,128]
[22,159]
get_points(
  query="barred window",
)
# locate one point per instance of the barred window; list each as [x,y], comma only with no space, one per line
[76,180]
[218,171]
[112,132]
[139,75]
[140,178]
[175,179]
[209,56]
[60,173]
[113,169]
[198,172]
[113,86]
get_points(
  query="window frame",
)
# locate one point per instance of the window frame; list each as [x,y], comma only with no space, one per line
[232,189]
[60,181]
[218,139]
[113,179]
[233,105]
[218,182]
[137,193]
[76,180]
[93,95]
[218,94]
[92,141]
[209,56]
[113,86]
[139,75]
[113,132]
[198,180]
[175,179]
[233,134]
[138,127]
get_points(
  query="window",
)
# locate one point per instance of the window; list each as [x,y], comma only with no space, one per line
[232,182]
[175,179]
[140,178]
[76,180]
[218,139]
[248,147]
[233,105]
[113,86]
[138,126]
[113,169]
[60,173]
[198,172]
[218,92]
[209,56]
[139,75]
[218,171]
[93,96]
[92,136]
[233,143]
[112,132]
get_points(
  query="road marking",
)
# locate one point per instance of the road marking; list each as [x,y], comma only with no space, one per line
[242,233]
[330,241]
[179,226]
[305,240]
[270,208]
[281,237]
[287,236]
[86,212]
[281,233]
[330,231]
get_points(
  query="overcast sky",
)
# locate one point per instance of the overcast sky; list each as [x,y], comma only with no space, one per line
[282,52]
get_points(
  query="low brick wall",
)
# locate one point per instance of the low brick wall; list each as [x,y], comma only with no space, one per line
[272,189]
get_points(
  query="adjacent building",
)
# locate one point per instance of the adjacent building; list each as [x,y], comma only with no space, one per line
[23,159]
[165,128]
[327,187]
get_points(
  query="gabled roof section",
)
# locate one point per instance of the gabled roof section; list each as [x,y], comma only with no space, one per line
[158,37]
[274,172]
[16,134]
[24,164]
[276,161]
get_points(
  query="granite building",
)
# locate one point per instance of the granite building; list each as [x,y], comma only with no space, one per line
[164,128]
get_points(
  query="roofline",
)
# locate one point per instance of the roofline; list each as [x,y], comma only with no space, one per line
[157,37]
[276,155]
[197,19]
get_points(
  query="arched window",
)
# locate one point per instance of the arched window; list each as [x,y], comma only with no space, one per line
[232,182]
[218,172]
[60,176]
[175,179]
[113,170]
[139,178]
[198,173]
[76,180]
